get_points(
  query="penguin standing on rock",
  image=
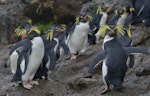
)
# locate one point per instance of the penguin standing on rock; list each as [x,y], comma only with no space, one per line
[77,39]
[29,61]
[51,46]
[14,52]
[99,19]
[121,22]
[114,58]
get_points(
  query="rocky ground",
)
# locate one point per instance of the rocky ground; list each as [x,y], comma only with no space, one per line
[72,79]
[70,76]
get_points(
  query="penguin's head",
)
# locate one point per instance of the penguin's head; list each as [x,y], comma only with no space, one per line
[33,32]
[120,10]
[54,31]
[123,11]
[83,17]
[111,30]
[103,30]
[104,7]
[27,30]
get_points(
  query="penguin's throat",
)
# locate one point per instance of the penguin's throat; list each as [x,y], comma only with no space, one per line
[108,38]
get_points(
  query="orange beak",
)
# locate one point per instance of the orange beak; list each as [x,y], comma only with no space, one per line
[113,31]
[133,27]
[62,30]
[24,37]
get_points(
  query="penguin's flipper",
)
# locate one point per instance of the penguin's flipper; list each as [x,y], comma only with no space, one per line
[141,9]
[69,31]
[97,60]
[65,47]
[70,28]
[95,22]
[24,56]
[53,59]
[131,62]
[27,48]
[17,45]
[133,50]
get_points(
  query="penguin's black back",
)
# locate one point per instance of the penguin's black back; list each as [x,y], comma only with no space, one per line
[115,62]
[125,40]
[18,44]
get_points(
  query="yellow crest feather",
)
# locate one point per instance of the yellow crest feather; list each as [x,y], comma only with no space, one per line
[116,11]
[20,32]
[129,31]
[77,19]
[103,29]
[132,9]
[99,10]
[35,29]
[50,34]
[63,26]
[120,30]
[89,17]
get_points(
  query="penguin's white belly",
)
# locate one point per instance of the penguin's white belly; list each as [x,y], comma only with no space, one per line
[104,70]
[103,19]
[78,39]
[121,20]
[35,58]
[13,63]
[101,23]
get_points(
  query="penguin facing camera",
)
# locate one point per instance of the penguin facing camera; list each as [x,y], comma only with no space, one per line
[99,19]
[114,58]
[121,23]
[77,39]
[14,52]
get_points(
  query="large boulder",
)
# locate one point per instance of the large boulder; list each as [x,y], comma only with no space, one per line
[11,16]
[60,11]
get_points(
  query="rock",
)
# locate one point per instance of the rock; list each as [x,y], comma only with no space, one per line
[11,16]
[82,83]
[3,1]
[44,15]
[62,11]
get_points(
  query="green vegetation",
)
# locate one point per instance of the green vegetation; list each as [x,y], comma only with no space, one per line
[43,26]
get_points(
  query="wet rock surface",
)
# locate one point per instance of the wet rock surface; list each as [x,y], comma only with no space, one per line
[71,77]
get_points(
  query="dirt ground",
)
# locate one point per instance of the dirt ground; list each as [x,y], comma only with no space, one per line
[72,79]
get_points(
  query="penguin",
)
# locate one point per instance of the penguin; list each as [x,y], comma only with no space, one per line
[60,35]
[99,19]
[16,49]
[120,21]
[145,14]
[50,55]
[139,10]
[130,5]
[53,40]
[50,58]
[77,39]
[114,57]
[29,61]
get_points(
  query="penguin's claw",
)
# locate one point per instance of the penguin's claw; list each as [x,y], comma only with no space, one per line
[50,80]
[27,85]
[34,82]
[105,90]
[73,56]
[97,41]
